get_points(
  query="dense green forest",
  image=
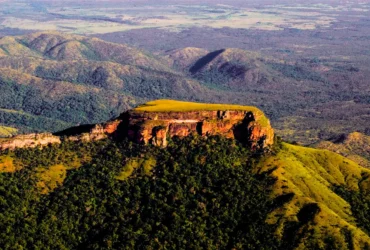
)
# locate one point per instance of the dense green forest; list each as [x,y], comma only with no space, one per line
[200,194]
[360,205]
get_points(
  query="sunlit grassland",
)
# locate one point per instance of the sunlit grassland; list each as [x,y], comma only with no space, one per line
[308,176]
[7,164]
[179,106]
[47,179]
[128,169]
[7,131]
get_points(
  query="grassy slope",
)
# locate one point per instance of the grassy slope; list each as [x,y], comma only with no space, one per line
[309,174]
[7,131]
[180,106]
[355,146]
[78,79]
[50,178]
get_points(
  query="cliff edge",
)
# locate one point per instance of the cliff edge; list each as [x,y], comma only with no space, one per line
[158,121]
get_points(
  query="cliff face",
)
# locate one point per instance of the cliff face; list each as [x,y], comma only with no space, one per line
[29,141]
[97,132]
[156,127]
[249,126]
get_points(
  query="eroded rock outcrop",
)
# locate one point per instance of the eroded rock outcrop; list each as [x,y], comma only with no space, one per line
[29,141]
[245,124]
[83,133]
[157,127]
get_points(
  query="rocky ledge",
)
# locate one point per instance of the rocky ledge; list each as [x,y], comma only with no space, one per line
[28,141]
[158,121]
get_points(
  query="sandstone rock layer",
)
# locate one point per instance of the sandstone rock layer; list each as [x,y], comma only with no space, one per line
[145,125]
[28,141]
[157,127]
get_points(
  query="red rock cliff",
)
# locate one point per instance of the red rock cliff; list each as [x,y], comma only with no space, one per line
[156,127]
[147,127]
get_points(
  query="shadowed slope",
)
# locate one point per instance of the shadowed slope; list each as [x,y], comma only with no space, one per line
[201,63]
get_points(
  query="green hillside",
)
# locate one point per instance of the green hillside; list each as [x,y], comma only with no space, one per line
[197,193]
[7,131]
[355,146]
[80,80]
[307,179]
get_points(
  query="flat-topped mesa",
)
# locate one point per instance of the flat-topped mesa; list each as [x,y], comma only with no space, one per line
[155,122]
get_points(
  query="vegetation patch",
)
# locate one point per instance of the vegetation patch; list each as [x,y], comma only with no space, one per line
[200,194]
[197,193]
[7,131]
[7,164]
[145,165]
[47,179]
[297,72]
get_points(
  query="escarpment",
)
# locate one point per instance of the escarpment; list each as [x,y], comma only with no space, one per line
[84,133]
[157,127]
[158,121]
[28,141]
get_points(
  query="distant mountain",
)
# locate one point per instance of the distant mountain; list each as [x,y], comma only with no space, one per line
[184,58]
[355,146]
[67,47]
[237,69]
[72,79]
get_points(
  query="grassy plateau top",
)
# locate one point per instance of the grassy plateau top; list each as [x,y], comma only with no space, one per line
[165,105]
[180,106]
